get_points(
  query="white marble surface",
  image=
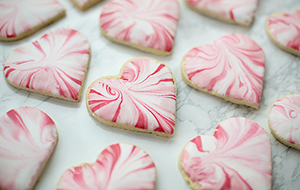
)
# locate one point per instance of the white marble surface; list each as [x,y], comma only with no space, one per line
[82,138]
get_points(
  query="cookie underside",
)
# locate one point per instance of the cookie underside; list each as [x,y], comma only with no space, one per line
[34,29]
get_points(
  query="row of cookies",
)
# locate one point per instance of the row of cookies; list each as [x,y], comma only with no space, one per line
[239,148]
[155,29]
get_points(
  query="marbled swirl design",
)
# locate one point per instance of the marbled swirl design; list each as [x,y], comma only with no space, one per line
[284,118]
[144,97]
[120,167]
[238,156]
[20,16]
[285,28]
[149,23]
[55,64]
[27,138]
[234,66]
[240,11]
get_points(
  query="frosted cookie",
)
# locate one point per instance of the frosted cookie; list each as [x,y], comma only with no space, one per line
[284,120]
[19,19]
[141,98]
[284,31]
[28,137]
[55,65]
[146,25]
[84,4]
[237,156]
[232,68]
[232,11]
[119,166]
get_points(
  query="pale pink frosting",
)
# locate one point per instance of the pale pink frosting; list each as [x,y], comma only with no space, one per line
[240,11]
[149,23]
[284,118]
[144,97]
[27,138]
[55,64]
[238,156]
[234,66]
[285,28]
[119,166]
[19,16]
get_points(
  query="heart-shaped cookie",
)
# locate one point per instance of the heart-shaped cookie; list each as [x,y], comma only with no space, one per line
[84,4]
[284,120]
[27,138]
[119,166]
[232,69]
[146,25]
[55,65]
[141,98]
[19,19]
[232,11]
[284,31]
[237,156]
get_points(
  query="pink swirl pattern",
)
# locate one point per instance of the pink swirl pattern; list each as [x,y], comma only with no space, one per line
[238,156]
[17,17]
[27,139]
[234,67]
[54,65]
[119,166]
[143,97]
[241,11]
[284,118]
[285,28]
[150,23]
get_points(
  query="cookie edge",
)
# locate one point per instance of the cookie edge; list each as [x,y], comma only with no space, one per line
[274,40]
[85,6]
[273,131]
[124,126]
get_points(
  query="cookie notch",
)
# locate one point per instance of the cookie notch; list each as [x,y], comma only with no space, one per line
[125,126]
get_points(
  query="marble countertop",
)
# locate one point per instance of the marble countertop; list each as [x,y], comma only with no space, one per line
[82,138]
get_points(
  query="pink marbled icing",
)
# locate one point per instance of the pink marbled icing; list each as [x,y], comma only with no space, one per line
[149,23]
[119,166]
[27,138]
[238,156]
[55,64]
[284,118]
[233,66]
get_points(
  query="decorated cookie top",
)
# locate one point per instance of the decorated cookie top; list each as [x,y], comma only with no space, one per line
[17,17]
[54,65]
[285,28]
[119,166]
[233,66]
[241,11]
[284,118]
[238,156]
[150,23]
[144,96]
[27,138]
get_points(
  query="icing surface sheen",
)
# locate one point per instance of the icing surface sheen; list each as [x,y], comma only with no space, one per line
[119,166]
[234,66]
[284,118]
[238,156]
[55,64]
[285,28]
[241,11]
[149,23]
[19,16]
[144,97]
[27,138]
